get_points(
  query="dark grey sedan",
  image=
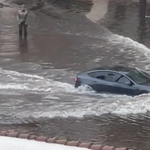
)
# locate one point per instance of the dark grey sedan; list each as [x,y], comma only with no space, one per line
[116,80]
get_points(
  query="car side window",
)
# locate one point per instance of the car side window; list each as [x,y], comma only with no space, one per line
[124,80]
[105,75]
[113,77]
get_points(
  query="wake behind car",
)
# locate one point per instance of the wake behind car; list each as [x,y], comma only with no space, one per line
[116,80]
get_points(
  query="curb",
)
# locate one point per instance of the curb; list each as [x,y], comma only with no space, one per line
[47,139]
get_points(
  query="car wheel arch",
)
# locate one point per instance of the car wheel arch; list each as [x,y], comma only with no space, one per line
[88,86]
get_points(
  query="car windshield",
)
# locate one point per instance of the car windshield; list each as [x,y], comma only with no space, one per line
[139,77]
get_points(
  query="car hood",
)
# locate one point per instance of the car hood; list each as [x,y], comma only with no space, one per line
[146,87]
[146,84]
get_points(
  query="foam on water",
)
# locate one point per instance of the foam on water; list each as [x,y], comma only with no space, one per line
[10,72]
[21,81]
[84,101]
[123,105]
[127,42]
[62,99]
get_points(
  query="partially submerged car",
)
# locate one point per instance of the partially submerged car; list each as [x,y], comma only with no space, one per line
[116,80]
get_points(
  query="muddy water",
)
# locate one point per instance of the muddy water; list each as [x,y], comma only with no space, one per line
[37,75]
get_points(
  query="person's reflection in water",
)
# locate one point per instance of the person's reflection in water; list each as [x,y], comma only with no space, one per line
[23,45]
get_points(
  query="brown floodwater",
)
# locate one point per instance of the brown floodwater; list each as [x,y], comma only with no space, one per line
[65,37]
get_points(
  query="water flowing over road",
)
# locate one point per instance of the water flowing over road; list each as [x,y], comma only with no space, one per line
[37,94]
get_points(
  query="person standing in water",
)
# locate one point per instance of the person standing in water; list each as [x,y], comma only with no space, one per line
[22,17]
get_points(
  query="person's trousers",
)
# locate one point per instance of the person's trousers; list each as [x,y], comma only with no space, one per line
[23,27]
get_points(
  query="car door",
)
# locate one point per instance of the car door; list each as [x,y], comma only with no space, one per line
[111,79]
[125,86]
[103,81]
[98,82]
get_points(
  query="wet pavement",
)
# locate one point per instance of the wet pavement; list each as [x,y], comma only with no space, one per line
[37,74]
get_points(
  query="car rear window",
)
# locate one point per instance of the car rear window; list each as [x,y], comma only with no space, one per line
[98,74]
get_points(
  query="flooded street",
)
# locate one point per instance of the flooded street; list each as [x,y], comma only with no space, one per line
[37,91]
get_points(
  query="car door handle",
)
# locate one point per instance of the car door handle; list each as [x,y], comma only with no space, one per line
[113,84]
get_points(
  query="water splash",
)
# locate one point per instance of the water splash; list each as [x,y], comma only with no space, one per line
[127,42]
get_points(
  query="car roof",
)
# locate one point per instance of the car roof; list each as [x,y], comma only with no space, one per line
[118,68]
